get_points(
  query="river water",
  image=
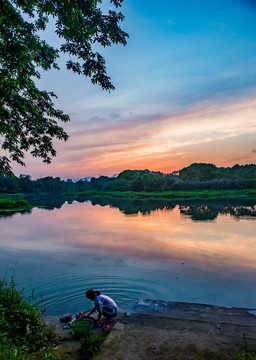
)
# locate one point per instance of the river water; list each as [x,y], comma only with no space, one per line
[169,253]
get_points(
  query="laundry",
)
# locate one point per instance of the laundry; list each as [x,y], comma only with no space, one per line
[66,318]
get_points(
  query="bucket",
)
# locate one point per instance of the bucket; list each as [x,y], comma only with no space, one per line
[81,327]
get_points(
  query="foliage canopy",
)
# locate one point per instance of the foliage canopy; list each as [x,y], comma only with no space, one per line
[28,117]
[208,172]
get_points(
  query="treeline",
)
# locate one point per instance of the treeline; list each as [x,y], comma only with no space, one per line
[209,176]
[135,180]
[24,184]
[208,172]
[128,180]
[195,176]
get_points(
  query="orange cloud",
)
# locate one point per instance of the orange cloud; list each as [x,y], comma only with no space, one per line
[166,142]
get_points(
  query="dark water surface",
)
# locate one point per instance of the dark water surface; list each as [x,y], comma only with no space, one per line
[180,253]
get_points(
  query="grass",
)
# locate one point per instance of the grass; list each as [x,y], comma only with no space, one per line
[11,205]
[245,355]
[22,333]
[90,345]
[172,194]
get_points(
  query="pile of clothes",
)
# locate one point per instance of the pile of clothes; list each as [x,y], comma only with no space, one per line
[66,319]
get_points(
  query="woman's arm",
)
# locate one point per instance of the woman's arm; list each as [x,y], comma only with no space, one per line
[99,316]
[92,311]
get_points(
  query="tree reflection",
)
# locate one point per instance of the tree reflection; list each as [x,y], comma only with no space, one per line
[210,212]
[200,210]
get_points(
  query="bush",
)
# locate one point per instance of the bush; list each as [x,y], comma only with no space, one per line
[21,203]
[20,324]
[6,203]
[90,345]
[13,205]
[7,353]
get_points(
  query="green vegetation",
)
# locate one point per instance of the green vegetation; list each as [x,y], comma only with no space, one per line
[90,344]
[29,119]
[10,205]
[172,195]
[245,355]
[22,334]
[204,177]
[207,172]
[25,185]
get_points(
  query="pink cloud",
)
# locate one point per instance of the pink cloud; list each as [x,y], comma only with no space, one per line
[153,142]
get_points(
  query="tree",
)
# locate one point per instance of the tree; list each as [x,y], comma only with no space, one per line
[28,118]
[26,184]
[198,172]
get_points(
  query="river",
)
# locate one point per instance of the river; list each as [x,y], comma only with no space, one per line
[177,253]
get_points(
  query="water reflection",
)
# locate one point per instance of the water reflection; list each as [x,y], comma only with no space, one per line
[162,253]
[195,209]
[6,213]
[210,212]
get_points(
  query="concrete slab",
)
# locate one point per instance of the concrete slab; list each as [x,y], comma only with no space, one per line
[193,311]
[118,326]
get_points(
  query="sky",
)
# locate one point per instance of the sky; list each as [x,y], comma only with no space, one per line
[185,93]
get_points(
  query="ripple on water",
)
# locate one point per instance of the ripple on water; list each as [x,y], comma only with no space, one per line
[67,292]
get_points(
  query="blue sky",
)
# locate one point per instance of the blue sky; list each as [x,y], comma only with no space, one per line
[185,92]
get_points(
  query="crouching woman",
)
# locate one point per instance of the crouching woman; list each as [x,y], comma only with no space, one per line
[103,304]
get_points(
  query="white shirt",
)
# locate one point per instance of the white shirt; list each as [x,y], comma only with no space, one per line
[102,301]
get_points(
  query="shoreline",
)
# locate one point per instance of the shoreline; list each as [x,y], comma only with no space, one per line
[198,194]
[159,330]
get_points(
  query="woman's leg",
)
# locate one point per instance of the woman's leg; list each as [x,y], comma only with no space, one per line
[110,313]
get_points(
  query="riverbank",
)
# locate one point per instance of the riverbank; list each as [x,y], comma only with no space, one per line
[171,195]
[158,330]
[9,206]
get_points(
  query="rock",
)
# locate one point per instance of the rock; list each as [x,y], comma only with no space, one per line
[118,326]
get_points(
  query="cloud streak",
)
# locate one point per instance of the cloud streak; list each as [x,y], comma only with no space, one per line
[163,142]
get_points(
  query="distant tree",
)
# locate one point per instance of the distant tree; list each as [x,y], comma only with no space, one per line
[26,184]
[168,182]
[50,184]
[128,174]
[82,185]
[117,184]
[198,171]
[9,184]
[247,172]
[28,118]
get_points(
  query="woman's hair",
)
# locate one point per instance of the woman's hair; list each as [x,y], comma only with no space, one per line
[91,294]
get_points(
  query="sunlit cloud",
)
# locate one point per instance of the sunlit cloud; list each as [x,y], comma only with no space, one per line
[164,142]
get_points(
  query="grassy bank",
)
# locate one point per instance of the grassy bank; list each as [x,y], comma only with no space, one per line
[13,197]
[172,195]
[8,205]
[22,334]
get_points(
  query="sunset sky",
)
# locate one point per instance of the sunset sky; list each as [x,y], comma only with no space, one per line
[185,92]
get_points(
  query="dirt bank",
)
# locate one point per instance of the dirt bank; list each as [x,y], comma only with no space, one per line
[156,330]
